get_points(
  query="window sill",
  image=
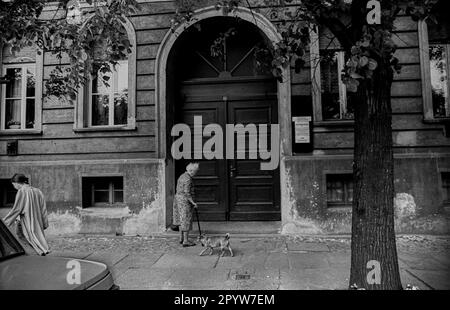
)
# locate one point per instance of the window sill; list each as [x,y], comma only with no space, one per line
[104,129]
[339,209]
[20,132]
[101,206]
[346,123]
[113,211]
[444,120]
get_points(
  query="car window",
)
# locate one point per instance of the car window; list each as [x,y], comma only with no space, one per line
[9,246]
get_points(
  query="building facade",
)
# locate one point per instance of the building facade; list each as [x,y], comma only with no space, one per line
[104,161]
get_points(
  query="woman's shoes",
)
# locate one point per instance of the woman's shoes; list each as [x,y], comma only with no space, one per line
[185,245]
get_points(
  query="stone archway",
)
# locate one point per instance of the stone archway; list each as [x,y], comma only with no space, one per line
[284,96]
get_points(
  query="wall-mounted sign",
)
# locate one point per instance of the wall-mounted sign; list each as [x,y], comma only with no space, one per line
[302,130]
[374,15]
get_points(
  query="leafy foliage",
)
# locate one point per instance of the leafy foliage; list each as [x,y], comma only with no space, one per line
[102,29]
[366,46]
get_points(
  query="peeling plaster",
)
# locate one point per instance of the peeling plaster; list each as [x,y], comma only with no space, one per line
[408,221]
[296,224]
[150,219]
[303,217]
[147,221]
[404,206]
[435,224]
[63,223]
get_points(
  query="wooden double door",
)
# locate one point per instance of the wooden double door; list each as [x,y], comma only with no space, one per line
[232,189]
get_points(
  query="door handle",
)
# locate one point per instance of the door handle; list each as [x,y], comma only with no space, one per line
[232,172]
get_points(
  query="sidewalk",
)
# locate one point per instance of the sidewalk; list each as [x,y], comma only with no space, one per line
[261,262]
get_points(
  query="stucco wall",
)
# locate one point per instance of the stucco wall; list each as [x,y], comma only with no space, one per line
[418,200]
[142,213]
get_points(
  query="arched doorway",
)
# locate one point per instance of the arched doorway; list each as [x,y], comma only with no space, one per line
[215,76]
[238,95]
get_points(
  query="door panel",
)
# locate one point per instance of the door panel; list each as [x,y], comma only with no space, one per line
[210,192]
[232,189]
[254,193]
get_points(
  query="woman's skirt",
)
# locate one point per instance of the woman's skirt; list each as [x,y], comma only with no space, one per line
[182,213]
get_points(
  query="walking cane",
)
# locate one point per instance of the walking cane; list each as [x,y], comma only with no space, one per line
[198,223]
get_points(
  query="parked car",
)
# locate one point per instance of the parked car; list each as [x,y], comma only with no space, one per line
[22,271]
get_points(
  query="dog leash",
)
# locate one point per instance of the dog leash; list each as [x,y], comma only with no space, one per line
[198,222]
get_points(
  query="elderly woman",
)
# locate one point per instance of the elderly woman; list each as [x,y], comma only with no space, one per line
[30,213]
[184,203]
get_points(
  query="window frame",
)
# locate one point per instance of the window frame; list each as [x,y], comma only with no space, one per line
[345,178]
[38,65]
[111,194]
[89,187]
[83,105]
[316,82]
[111,95]
[424,55]
[445,202]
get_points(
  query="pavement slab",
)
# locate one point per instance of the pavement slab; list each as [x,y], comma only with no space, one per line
[263,262]
[314,279]
[149,278]
[421,261]
[200,278]
[277,260]
[186,261]
[408,278]
[338,259]
[308,261]
[139,261]
[107,257]
[437,280]
[70,254]
[443,259]
[307,247]
[268,279]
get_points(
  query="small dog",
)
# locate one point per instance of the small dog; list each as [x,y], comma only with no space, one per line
[215,242]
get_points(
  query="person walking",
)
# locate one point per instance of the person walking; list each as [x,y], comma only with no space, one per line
[184,203]
[30,213]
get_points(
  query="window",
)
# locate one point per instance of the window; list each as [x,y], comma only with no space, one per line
[435,66]
[7,194]
[339,190]
[330,98]
[21,95]
[446,187]
[102,191]
[112,106]
[335,105]
[439,74]
[108,104]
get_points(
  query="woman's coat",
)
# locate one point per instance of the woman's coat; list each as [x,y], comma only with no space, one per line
[30,209]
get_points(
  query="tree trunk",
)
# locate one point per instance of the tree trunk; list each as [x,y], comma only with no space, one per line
[373,235]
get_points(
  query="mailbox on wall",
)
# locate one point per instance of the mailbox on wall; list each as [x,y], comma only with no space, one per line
[302,136]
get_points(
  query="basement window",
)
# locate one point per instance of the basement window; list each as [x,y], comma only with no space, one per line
[446,187]
[339,190]
[102,191]
[7,193]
